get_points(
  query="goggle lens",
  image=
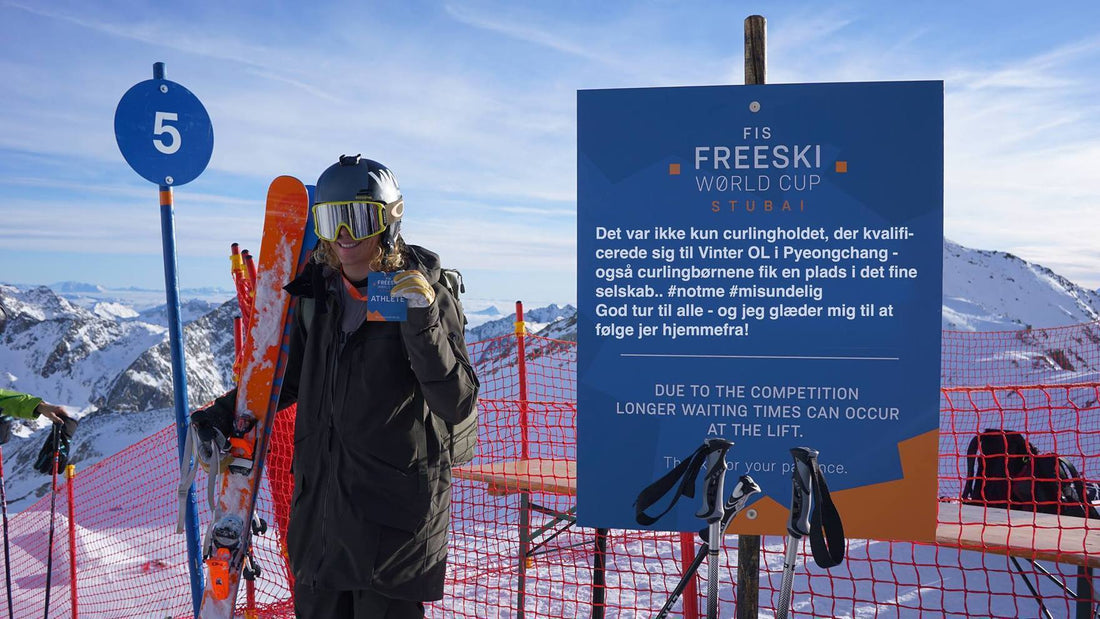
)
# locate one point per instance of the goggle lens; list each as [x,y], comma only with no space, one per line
[361,219]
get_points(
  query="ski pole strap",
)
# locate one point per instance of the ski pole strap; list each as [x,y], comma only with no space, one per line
[188,468]
[685,473]
[826,529]
[714,482]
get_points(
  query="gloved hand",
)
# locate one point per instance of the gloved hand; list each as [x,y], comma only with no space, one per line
[414,287]
[53,412]
[59,440]
[212,429]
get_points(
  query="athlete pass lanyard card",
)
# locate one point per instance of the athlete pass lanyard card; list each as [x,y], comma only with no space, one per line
[380,305]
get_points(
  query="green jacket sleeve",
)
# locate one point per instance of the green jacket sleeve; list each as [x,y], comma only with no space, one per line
[18,404]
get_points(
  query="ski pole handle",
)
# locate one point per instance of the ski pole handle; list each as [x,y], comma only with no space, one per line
[746,487]
[713,509]
[801,491]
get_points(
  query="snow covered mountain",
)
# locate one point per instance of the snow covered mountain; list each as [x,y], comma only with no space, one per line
[76,288]
[83,358]
[996,291]
[146,383]
[64,352]
[137,299]
[111,372]
[536,319]
[190,309]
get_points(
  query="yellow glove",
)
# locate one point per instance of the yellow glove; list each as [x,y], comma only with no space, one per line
[414,287]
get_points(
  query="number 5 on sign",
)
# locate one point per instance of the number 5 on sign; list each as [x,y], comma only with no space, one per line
[159,127]
[164,132]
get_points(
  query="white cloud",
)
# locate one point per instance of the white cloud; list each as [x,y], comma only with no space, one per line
[472,244]
[95,226]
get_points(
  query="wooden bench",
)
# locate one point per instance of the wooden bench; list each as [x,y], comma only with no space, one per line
[533,475]
[1031,536]
[1062,539]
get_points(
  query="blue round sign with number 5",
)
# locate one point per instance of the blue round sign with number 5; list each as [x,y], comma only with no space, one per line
[164,132]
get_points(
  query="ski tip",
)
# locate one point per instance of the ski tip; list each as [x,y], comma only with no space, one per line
[286,181]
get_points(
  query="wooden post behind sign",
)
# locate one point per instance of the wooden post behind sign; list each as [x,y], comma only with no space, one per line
[756,33]
[748,546]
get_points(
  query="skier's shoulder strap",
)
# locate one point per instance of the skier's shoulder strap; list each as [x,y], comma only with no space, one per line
[306,308]
[461,439]
[451,279]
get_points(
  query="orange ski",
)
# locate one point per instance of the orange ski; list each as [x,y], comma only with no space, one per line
[263,362]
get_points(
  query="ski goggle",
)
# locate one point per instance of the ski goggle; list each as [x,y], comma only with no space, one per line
[362,219]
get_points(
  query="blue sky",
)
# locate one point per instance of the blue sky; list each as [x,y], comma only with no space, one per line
[473,105]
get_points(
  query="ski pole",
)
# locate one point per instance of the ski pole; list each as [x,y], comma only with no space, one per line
[712,511]
[7,544]
[250,266]
[799,524]
[56,436]
[746,488]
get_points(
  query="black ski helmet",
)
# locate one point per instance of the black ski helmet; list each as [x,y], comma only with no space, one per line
[355,178]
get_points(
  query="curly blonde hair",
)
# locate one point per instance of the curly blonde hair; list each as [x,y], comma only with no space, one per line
[393,261]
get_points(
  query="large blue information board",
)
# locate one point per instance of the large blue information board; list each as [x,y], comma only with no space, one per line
[761,264]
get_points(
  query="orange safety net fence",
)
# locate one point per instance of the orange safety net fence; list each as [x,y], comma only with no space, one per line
[1058,355]
[131,563]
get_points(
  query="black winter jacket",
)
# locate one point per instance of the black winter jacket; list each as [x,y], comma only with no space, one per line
[372,475]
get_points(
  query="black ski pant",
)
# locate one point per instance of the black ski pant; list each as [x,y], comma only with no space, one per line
[310,603]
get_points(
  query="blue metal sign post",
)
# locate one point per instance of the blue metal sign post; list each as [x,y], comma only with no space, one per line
[761,264]
[165,135]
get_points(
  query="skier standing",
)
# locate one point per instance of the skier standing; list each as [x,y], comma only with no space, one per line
[371,506]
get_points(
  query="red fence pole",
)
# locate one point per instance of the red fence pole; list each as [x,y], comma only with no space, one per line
[70,474]
[691,591]
[250,599]
[524,497]
[521,351]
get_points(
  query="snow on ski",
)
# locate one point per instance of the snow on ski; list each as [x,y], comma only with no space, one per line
[227,545]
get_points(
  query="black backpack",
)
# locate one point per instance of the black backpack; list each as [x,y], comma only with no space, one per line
[1004,470]
[461,440]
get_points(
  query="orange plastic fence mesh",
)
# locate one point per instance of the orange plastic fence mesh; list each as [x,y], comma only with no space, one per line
[1026,357]
[132,564]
